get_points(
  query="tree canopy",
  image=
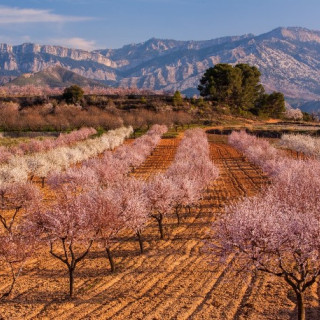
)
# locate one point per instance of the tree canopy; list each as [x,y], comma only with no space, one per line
[73,94]
[177,99]
[239,87]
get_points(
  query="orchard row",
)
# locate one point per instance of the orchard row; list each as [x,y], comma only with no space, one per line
[278,231]
[6,153]
[20,168]
[94,203]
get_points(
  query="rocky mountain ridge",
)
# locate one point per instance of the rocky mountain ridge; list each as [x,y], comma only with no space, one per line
[288,58]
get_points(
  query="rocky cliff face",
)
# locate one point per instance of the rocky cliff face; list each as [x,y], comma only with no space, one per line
[288,58]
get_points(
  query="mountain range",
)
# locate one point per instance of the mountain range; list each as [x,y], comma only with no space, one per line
[288,58]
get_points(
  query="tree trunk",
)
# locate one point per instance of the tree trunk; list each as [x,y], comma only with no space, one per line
[112,265]
[71,282]
[140,241]
[178,216]
[159,219]
[42,182]
[301,307]
[2,198]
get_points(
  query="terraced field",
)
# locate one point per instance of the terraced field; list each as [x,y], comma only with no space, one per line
[175,278]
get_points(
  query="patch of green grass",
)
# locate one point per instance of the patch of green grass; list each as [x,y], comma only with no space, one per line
[138,133]
[170,135]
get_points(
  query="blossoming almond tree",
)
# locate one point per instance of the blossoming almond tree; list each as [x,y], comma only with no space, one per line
[106,219]
[278,232]
[16,243]
[68,229]
[133,205]
[15,198]
[15,249]
[192,170]
[160,192]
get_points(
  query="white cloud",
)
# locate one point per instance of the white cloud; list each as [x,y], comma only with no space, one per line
[9,15]
[76,43]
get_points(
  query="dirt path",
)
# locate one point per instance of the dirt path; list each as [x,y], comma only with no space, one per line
[174,279]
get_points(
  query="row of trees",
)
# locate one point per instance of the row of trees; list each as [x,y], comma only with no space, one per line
[258,151]
[45,144]
[21,201]
[239,88]
[182,184]
[276,232]
[92,209]
[112,165]
[309,146]
[22,168]
[63,117]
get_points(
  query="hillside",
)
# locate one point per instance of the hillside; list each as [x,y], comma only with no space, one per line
[310,106]
[289,59]
[54,77]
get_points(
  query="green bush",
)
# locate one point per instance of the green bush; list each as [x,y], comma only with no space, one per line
[73,94]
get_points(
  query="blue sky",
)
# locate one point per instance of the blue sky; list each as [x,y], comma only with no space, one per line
[92,24]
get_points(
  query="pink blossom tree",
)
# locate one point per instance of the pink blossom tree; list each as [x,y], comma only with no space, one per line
[192,170]
[294,114]
[108,170]
[133,205]
[74,180]
[106,219]
[68,228]
[16,243]
[15,249]
[160,192]
[15,198]
[186,193]
[277,233]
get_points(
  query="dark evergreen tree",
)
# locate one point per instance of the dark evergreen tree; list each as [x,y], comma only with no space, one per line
[73,94]
[270,105]
[239,88]
[177,99]
[251,89]
[221,84]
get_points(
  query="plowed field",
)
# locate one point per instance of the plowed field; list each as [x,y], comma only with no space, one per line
[174,279]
